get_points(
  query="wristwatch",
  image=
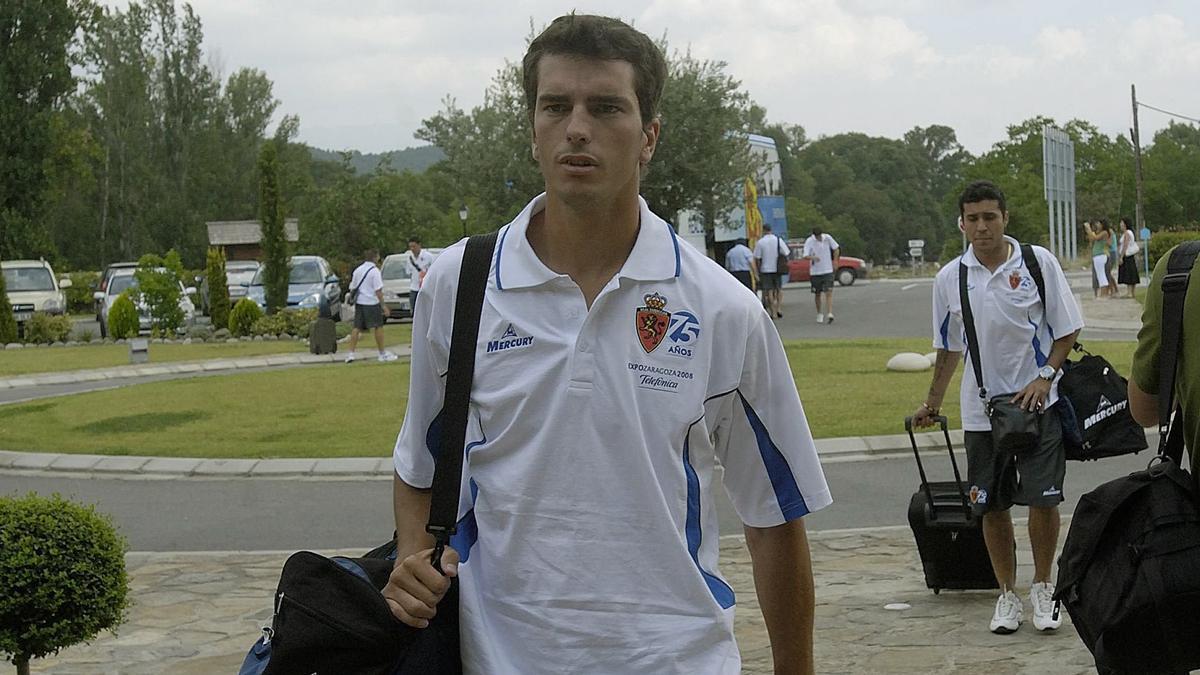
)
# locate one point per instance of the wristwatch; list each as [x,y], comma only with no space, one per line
[1048,372]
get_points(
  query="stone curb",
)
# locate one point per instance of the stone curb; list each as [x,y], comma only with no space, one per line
[183,368]
[837,449]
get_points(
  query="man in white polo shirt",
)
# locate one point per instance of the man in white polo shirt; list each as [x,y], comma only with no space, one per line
[767,253]
[739,260]
[1022,346]
[822,252]
[616,368]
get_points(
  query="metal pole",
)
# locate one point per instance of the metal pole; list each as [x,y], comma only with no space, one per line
[1137,158]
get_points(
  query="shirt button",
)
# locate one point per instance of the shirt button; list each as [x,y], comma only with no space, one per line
[583,345]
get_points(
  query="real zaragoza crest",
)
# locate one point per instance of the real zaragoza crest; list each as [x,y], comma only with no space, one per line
[652,322]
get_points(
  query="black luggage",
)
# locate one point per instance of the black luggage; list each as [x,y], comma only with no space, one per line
[322,336]
[949,536]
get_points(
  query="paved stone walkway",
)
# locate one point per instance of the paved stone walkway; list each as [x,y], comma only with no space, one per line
[198,613]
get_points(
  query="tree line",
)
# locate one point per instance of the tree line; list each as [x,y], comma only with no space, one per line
[119,137]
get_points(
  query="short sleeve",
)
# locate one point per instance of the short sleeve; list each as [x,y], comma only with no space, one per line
[374,280]
[947,324]
[772,472]
[808,246]
[833,245]
[1062,312]
[1145,358]
[414,453]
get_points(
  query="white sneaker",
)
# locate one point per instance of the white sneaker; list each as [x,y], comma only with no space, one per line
[820,318]
[387,356]
[350,357]
[829,319]
[1007,617]
[1046,612]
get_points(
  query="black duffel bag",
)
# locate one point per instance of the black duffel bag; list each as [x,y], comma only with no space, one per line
[1098,423]
[1129,574]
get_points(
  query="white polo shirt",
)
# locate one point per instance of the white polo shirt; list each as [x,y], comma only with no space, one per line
[823,248]
[738,258]
[588,527]
[1015,332]
[418,266]
[767,251]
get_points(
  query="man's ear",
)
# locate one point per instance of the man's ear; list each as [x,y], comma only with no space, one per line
[650,133]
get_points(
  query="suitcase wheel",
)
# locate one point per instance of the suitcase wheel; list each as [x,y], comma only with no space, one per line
[937,591]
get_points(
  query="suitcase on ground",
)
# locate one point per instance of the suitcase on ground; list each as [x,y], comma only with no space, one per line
[322,336]
[949,536]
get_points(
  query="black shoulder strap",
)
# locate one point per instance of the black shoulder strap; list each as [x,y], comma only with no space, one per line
[969,324]
[447,474]
[363,280]
[1035,271]
[1174,290]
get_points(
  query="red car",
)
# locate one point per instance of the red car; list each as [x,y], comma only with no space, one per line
[848,268]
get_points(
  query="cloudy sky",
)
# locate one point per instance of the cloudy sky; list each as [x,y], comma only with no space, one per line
[362,74]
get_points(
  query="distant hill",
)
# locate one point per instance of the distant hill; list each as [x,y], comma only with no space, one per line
[415,160]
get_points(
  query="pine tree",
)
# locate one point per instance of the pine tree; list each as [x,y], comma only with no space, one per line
[218,287]
[8,322]
[274,242]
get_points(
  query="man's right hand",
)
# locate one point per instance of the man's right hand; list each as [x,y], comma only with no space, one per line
[923,417]
[415,587]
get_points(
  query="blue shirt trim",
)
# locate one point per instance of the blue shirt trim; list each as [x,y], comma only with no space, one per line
[675,242]
[499,250]
[721,591]
[466,533]
[946,332]
[787,492]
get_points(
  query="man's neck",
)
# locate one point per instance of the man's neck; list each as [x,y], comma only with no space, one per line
[589,244]
[994,259]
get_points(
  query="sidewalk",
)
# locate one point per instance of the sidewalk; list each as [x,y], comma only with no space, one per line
[198,613]
[1121,314]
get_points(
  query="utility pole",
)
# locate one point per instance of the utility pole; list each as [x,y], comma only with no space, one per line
[1137,160]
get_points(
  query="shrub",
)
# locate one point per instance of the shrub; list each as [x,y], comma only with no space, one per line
[8,322]
[62,568]
[199,332]
[218,288]
[86,336]
[45,328]
[272,324]
[79,294]
[158,286]
[123,317]
[298,321]
[242,317]
[1161,242]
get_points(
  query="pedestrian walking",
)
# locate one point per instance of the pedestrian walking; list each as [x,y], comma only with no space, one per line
[822,252]
[366,289]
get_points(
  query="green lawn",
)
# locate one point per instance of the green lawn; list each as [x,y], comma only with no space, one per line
[53,359]
[306,412]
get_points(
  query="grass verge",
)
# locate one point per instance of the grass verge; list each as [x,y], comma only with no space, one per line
[304,412]
[31,360]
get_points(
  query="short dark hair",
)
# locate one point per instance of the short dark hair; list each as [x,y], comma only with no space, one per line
[982,191]
[414,239]
[817,231]
[766,227]
[370,254]
[599,37]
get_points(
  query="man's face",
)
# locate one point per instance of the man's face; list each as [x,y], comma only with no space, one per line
[588,137]
[984,225]
[414,247]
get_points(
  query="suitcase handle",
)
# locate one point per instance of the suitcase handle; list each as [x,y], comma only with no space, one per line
[962,493]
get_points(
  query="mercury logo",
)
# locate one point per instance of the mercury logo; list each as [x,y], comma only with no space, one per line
[1104,410]
[509,340]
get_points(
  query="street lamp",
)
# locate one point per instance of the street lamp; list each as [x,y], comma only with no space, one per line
[462,215]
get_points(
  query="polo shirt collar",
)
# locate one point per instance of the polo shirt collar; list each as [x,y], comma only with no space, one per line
[970,260]
[655,254]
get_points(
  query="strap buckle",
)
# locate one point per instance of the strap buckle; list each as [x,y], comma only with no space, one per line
[441,537]
[1175,281]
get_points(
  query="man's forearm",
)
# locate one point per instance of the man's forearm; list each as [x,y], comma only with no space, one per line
[411,509]
[784,584]
[943,372]
[1061,349]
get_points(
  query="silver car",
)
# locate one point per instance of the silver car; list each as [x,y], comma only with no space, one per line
[397,281]
[311,285]
[238,275]
[123,280]
[31,287]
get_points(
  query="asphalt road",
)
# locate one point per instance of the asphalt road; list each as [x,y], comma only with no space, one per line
[291,514]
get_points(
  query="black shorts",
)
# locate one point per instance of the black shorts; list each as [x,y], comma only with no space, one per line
[367,317]
[1032,478]
[769,281]
[822,283]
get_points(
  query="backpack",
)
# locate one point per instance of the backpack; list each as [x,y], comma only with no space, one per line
[1129,573]
[1094,408]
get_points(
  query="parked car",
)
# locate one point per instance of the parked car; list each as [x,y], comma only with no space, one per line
[397,282]
[32,287]
[311,284]
[848,268]
[124,279]
[104,279]
[238,275]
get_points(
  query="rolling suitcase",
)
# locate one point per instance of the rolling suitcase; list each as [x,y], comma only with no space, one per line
[322,336]
[949,536]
